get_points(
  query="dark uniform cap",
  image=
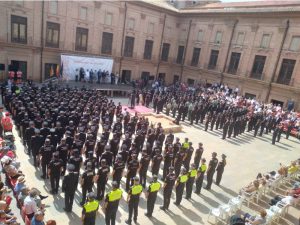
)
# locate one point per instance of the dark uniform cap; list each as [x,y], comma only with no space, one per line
[136,178]
[114,184]
[154,177]
[91,195]
[89,165]
[70,167]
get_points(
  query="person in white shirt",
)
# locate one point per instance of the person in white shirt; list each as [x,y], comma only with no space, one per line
[30,204]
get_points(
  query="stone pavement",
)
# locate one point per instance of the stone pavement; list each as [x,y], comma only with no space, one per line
[246,156]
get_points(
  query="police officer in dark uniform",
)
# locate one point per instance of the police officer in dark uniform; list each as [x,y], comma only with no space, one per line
[168,187]
[168,159]
[225,129]
[69,186]
[54,171]
[151,195]
[133,199]
[211,170]
[275,134]
[29,132]
[118,169]
[198,155]
[200,176]
[89,210]
[45,153]
[112,200]
[144,164]
[180,184]
[155,165]
[102,177]
[87,181]
[132,168]
[220,169]
[36,143]
[190,182]
[63,150]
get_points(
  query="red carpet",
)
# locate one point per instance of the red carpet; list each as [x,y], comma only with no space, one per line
[138,109]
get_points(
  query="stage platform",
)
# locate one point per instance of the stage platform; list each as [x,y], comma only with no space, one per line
[166,122]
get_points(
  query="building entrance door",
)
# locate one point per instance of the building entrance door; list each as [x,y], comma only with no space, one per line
[126,76]
[20,66]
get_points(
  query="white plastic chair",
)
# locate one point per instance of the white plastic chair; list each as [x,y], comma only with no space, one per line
[226,211]
[236,203]
[217,213]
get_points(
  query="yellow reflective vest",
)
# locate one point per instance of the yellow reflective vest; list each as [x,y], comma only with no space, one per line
[115,195]
[183,178]
[91,206]
[136,189]
[154,187]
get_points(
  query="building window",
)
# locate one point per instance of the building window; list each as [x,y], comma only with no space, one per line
[286,71]
[295,44]
[83,13]
[258,66]
[18,29]
[180,52]
[200,35]
[130,24]
[265,41]
[81,39]
[107,39]
[196,55]
[53,6]
[165,52]
[213,59]
[240,38]
[234,62]
[218,38]
[151,28]
[148,49]
[129,45]
[52,35]
[108,19]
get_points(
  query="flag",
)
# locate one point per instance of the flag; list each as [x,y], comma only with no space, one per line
[51,71]
[57,70]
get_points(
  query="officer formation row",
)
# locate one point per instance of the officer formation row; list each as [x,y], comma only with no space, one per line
[59,127]
[218,107]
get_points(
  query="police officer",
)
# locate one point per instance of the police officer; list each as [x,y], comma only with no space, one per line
[168,186]
[89,210]
[155,166]
[211,170]
[69,186]
[198,155]
[45,153]
[151,195]
[144,164]
[36,143]
[133,199]
[220,169]
[190,182]
[180,183]
[118,169]
[168,159]
[63,150]
[132,168]
[111,205]
[102,177]
[87,181]
[200,176]
[54,171]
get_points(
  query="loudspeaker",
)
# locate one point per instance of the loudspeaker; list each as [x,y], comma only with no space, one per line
[2,67]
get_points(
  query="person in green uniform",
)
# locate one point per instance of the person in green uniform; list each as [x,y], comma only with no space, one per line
[190,182]
[133,199]
[151,195]
[180,183]
[89,210]
[111,205]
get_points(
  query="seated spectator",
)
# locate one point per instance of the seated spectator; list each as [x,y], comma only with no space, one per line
[11,167]
[23,194]
[247,219]
[6,218]
[252,187]
[38,218]
[30,204]
[6,198]
[20,184]
[256,220]
[288,200]
[293,168]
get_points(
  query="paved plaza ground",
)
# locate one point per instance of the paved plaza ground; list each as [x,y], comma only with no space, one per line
[246,156]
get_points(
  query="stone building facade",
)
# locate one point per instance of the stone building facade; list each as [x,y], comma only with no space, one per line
[252,46]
